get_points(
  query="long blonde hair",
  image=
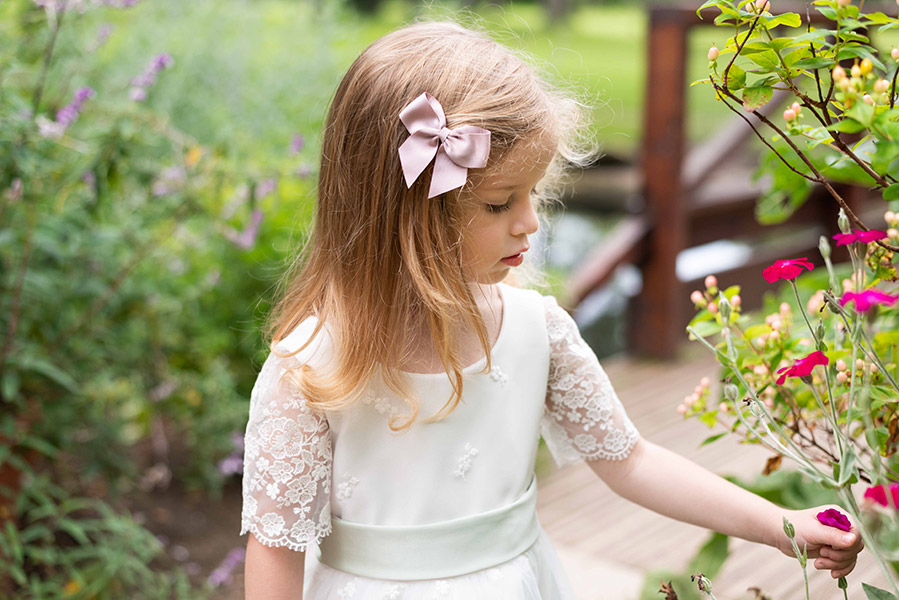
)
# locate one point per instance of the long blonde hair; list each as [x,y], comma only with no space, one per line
[382,259]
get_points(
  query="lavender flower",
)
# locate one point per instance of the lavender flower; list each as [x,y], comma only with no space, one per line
[296,144]
[222,574]
[246,239]
[232,465]
[65,116]
[266,187]
[103,34]
[145,80]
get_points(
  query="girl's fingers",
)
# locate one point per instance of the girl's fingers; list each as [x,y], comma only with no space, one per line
[839,555]
[838,568]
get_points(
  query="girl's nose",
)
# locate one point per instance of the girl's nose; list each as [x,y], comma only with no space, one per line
[526,221]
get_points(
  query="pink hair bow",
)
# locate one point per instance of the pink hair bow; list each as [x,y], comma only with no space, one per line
[453,151]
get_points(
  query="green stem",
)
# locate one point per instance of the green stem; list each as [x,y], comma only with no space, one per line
[873,548]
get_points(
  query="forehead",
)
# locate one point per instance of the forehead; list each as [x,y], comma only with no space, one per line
[525,162]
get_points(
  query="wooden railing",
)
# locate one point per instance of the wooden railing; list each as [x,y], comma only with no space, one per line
[691,197]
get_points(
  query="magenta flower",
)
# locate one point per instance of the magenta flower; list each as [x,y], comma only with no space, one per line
[834,518]
[802,367]
[878,494]
[865,300]
[786,269]
[68,113]
[865,237]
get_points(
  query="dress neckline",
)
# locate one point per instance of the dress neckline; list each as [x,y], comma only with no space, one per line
[479,364]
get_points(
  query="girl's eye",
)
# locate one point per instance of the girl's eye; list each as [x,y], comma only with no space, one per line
[498,208]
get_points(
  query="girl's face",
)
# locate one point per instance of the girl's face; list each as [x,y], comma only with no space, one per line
[500,215]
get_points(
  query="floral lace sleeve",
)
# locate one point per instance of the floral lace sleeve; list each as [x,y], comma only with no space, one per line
[584,417]
[287,465]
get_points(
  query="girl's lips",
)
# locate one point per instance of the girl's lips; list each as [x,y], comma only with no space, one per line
[514,260]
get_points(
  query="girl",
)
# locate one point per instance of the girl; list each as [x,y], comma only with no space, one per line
[395,423]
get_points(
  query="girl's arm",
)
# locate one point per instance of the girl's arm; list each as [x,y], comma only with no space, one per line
[273,573]
[676,487]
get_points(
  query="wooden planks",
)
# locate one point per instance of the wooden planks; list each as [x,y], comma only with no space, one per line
[608,543]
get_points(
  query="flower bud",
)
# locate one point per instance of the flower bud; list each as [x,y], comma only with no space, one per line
[705,382]
[843,221]
[895,53]
[731,392]
[697,298]
[713,307]
[789,115]
[873,368]
[736,301]
[844,2]
[681,409]
[841,365]
[784,308]
[893,233]
[866,66]
[820,330]
[713,53]
[723,307]
[868,99]
[796,108]
[859,363]
[723,407]
[761,5]
[881,86]
[824,247]
[844,84]
[889,216]
[774,335]
[839,73]
[842,377]
[711,281]
[788,529]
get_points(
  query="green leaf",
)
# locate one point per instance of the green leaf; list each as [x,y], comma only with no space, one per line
[767,59]
[813,63]
[707,4]
[848,471]
[892,192]
[712,438]
[709,418]
[711,556]
[861,112]
[878,18]
[757,96]
[787,19]
[847,125]
[860,52]
[874,593]
[736,78]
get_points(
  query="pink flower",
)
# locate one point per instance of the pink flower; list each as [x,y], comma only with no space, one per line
[834,518]
[865,237]
[802,367]
[865,300]
[878,494]
[786,269]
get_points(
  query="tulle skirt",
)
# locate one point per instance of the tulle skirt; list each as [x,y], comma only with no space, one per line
[536,574]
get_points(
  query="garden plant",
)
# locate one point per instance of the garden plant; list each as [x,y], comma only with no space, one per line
[815,379]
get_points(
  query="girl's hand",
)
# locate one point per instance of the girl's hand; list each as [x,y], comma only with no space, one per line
[831,548]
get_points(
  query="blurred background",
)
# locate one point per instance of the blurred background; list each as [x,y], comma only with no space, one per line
[158,164]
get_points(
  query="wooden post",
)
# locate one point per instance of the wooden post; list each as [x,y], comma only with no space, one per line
[654,324]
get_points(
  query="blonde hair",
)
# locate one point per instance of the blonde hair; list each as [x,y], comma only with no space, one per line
[382,259]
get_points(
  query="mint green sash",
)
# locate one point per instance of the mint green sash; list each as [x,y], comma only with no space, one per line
[435,550]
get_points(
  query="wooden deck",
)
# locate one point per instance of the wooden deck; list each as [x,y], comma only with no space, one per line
[609,561]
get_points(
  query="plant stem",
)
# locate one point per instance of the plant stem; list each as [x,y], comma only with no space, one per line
[15,306]
[852,507]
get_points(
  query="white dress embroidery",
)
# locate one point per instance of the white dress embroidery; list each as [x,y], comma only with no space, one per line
[346,487]
[584,418]
[287,465]
[498,376]
[465,462]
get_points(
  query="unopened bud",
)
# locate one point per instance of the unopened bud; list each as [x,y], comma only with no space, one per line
[820,330]
[895,53]
[796,108]
[789,115]
[881,86]
[788,529]
[844,2]
[682,409]
[839,73]
[844,84]
[841,365]
[824,247]
[713,53]
[697,298]
[722,407]
[711,281]
[761,5]
[784,308]
[889,216]
[723,307]
[843,221]
[713,307]
[855,71]
[731,392]
[736,301]
[868,99]
[893,233]
[842,377]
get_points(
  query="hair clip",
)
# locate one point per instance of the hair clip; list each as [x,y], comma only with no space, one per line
[453,151]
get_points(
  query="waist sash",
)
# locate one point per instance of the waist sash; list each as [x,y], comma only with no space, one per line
[435,550]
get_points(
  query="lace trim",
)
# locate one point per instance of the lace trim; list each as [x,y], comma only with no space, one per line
[284,541]
[584,418]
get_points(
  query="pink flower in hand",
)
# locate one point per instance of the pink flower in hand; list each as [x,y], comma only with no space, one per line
[786,269]
[865,237]
[802,367]
[834,518]
[878,494]
[865,300]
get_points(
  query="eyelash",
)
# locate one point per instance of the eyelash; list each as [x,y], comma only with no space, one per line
[498,208]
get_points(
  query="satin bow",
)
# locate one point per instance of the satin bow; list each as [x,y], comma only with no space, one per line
[453,151]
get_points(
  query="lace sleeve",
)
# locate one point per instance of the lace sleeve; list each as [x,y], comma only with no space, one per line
[287,465]
[584,417]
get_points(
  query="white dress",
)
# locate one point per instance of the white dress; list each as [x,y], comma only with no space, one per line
[301,468]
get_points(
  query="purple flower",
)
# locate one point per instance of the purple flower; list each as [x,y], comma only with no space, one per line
[69,113]
[266,187]
[296,144]
[148,77]
[163,61]
[834,518]
[222,574]
[246,239]
[865,300]
[231,465]
[237,440]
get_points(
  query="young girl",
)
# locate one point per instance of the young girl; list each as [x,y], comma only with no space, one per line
[395,423]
